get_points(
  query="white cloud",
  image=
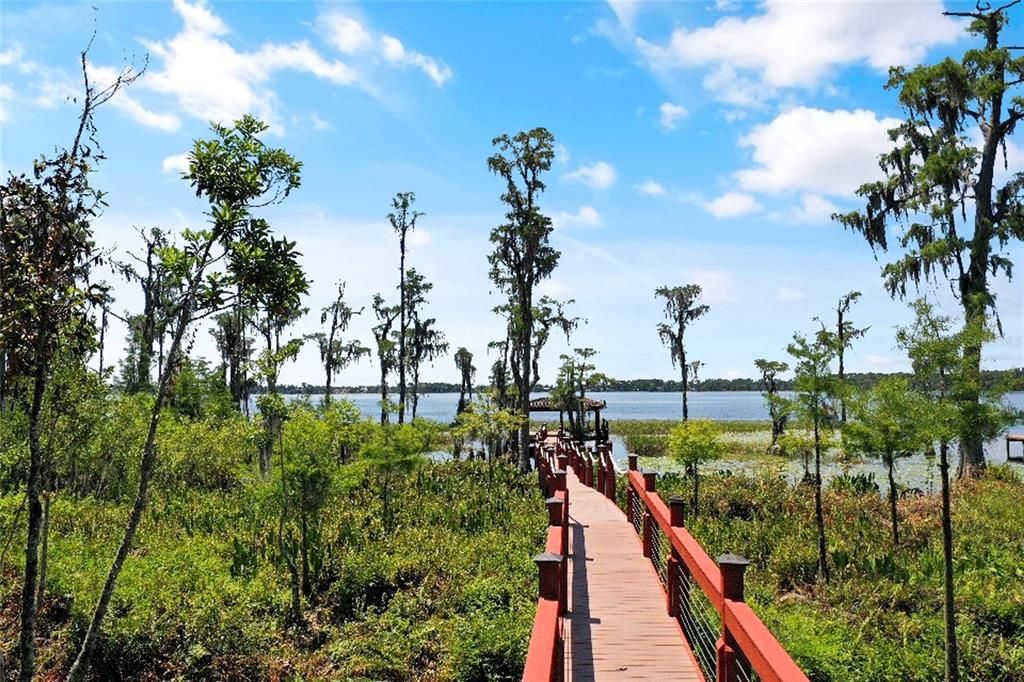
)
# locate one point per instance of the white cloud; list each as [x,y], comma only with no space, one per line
[317,122]
[625,10]
[419,237]
[651,188]
[52,87]
[178,163]
[790,294]
[11,55]
[670,114]
[562,154]
[797,44]
[732,205]
[396,53]
[346,34]
[716,285]
[6,95]
[813,209]
[103,76]
[598,175]
[586,216]
[826,152]
[210,80]
[351,37]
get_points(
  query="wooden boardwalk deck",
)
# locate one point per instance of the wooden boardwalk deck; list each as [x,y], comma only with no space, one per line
[617,628]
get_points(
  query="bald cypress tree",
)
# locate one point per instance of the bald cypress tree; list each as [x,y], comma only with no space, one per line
[940,198]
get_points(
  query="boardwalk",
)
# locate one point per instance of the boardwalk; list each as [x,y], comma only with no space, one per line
[617,628]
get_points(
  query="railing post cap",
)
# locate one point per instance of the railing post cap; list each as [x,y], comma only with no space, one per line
[553,500]
[547,558]
[676,499]
[732,560]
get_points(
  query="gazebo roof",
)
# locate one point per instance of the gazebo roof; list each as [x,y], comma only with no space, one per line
[544,405]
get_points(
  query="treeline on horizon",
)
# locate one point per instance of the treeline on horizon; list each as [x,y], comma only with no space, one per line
[1005,379]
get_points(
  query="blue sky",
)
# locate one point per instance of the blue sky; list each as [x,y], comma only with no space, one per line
[698,142]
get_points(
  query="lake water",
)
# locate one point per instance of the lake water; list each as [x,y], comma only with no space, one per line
[723,405]
[719,405]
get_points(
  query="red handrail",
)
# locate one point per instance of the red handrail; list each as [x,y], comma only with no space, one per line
[742,631]
[544,659]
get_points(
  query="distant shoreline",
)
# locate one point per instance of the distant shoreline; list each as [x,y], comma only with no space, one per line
[1011,380]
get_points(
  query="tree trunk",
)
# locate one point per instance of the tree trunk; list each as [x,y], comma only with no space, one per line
[525,379]
[269,432]
[43,553]
[383,394]
[974,283]
[35,514]
[306,584]
[952,660]
[103,334]
[296,609]
[819,514]
[415,390]
[682,362]
[401,332]
[842,371]
[893,518]
[327,390]
[972,453]
[147,464]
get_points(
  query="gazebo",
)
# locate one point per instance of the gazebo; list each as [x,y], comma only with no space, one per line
[589,405]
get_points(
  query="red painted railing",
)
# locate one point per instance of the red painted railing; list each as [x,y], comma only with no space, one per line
[545,658]
[729,641]
[700,591]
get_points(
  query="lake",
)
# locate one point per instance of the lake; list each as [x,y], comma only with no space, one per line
[720,405]
[723,405]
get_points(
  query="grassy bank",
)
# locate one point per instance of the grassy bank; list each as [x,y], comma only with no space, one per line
[880,618]
[744,439]
[444,589]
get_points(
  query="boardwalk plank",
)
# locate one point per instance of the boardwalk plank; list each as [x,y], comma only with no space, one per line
[618,628]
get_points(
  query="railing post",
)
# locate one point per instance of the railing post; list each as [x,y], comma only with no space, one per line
[548,565]
[648,528]
[610,477]
[727,663]
[601,473]
[631,458]
[554,506]
[675,592]
[563,460]
[559,479]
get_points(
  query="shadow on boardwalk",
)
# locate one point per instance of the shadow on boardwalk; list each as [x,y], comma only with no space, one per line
[618,626]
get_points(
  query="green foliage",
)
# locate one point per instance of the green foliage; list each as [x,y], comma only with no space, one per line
[691,443]
[448,594]
[695,442]
[880,617]
[485,422]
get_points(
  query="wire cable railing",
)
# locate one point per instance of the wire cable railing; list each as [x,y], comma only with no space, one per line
[729,642]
